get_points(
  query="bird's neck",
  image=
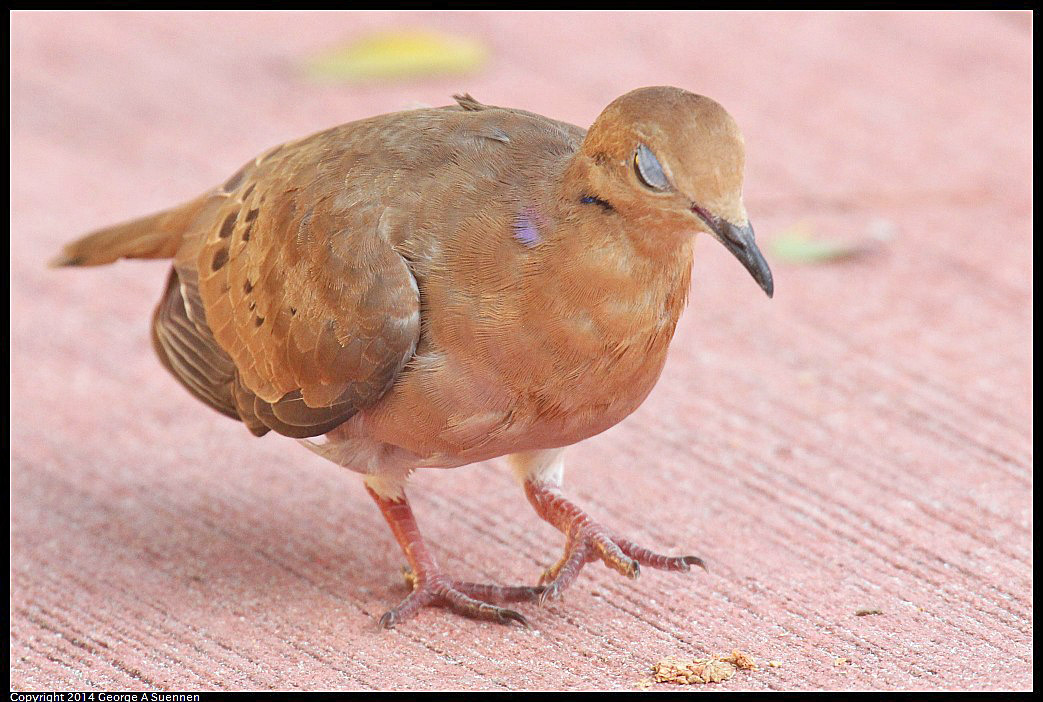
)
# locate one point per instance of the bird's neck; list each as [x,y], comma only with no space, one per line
[596,310]
[600,261]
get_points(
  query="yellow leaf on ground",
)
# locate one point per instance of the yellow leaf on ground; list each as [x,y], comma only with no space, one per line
[398,55]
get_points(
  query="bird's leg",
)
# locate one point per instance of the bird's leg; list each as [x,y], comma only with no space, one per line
[431,586]
[585,539]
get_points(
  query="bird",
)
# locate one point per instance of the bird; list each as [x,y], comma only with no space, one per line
[436,287]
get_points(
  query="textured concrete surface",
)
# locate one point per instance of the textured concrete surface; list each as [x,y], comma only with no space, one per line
[862,441]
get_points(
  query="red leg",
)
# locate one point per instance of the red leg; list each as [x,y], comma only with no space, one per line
[431,587]
[586,541]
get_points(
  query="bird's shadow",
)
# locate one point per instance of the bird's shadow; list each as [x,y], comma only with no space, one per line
[238,547]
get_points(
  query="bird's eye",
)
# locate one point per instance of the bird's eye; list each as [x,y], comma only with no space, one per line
[649,170]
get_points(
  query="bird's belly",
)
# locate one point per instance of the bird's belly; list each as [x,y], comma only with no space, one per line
[446,411]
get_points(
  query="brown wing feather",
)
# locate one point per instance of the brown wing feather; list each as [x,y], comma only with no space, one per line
[187,349]
[315,308]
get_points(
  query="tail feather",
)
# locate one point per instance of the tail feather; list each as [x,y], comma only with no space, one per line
[155,236]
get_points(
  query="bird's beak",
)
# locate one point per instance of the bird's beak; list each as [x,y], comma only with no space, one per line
[739,240]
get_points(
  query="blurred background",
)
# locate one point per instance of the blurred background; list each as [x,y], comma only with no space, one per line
[862,442]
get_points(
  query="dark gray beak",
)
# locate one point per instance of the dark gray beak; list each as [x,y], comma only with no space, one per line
[739,240]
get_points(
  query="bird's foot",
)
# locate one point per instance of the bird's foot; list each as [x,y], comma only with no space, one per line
[464,598]
[587,541]
[431,587]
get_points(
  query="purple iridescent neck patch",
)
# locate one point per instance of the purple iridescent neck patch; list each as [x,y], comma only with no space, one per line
[526,227]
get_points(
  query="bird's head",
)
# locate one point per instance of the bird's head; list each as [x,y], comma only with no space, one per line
[672,162]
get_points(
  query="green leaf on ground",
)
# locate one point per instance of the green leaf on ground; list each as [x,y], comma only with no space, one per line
[398,55]
[797,244]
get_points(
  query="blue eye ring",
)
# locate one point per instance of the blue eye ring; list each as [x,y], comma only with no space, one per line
[648,169]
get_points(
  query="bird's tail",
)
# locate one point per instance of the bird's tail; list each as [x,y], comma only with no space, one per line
[155,236]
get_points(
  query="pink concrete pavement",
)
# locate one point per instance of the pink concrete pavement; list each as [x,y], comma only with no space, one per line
[862,441]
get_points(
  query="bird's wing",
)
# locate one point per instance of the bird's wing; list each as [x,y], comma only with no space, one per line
[294,269]
[301,290]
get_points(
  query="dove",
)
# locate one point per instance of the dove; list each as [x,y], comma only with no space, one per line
[437,287]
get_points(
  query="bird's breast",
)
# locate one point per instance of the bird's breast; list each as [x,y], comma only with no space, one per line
[544,360]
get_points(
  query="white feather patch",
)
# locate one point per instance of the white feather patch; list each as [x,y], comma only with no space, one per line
[389,486]
[545,466]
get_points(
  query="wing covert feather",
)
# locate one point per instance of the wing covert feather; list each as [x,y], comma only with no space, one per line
[313,305]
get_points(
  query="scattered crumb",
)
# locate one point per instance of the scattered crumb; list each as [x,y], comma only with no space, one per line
[693,670]
[867,612]
[774,664]
[701,670]
[741,660]
[644,683]
[840,661]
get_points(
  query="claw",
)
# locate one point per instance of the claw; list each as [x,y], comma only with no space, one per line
[387,621]
[550,592]
[509,615]
[694,560]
